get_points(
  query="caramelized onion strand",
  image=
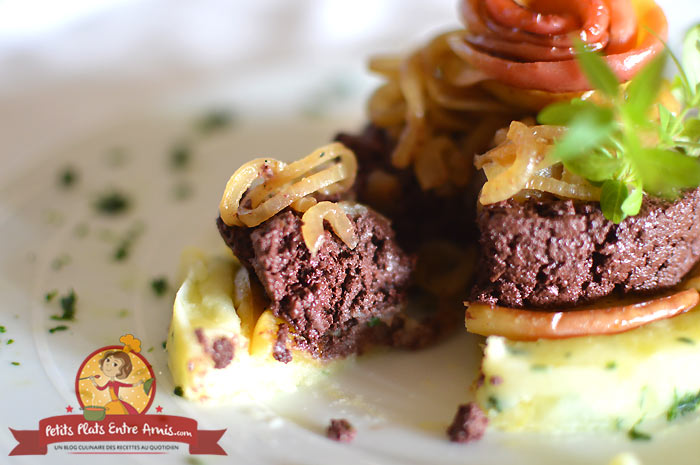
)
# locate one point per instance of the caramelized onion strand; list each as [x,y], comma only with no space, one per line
[527,325]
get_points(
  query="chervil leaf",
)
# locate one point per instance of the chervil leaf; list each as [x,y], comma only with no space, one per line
[593,166]
[691,56]
[643,90]
[561,113]
[679,89]
[614,144]
[665,117]
[633,202]
[689,137]
[598,73]
[691,130]
[612,196]
[666,124]
[589,129]
[663,172]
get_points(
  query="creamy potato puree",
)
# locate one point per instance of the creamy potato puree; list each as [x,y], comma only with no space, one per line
[215,302]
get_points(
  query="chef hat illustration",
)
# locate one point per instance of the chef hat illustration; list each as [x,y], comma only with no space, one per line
[131,344]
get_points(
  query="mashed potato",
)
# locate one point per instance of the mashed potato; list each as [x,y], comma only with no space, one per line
[593,383]
[217,303]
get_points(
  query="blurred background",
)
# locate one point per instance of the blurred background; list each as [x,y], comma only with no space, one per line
[69,65]
[132,37]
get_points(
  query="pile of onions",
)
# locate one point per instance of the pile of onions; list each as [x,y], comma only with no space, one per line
[261,188]
[443,102]
[519,166]
[437,115]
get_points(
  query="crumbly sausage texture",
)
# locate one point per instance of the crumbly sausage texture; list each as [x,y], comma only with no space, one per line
[341,430]
[331,298]
[563,253]
[469,424]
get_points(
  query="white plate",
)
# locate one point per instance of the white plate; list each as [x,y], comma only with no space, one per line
[52,238]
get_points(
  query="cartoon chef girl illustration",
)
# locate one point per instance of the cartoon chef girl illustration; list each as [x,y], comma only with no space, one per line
[116,365]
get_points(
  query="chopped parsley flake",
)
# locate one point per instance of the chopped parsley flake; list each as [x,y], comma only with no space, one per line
[512,350]
[50,295]
[213,121]
[60,261]
[150,349]
[178,391]
[68,306]
[54,217]
[117,157]
[683,406]
[163,344]
[121,252]
[123,313]
[81,230]
[10,341]
[15,364]
[374,321]
[67,177]
[611,365]
[636,435]
[494,403]
[515,350]
[123,249]
[112,203]
[618,424]
[58,328]
[686,340]
[182,191]
[643,396]
[2,329]
[180,157]
[159,286]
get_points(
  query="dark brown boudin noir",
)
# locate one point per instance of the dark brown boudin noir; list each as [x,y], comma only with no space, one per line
[341,430]
[336,299]
[561,252]
[469,424]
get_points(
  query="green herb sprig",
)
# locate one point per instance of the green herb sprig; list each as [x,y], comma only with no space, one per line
[159,286]
[615,145]
[214,121]
[636,435]
[683,405]
[68,306]
[112,203]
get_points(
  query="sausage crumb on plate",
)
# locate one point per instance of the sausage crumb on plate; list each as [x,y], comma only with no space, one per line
[341,430]
[469,424]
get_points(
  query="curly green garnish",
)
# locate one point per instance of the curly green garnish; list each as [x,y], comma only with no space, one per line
[614,144]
